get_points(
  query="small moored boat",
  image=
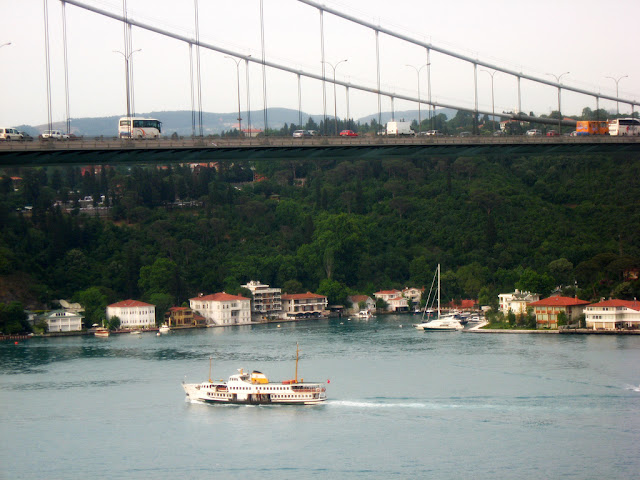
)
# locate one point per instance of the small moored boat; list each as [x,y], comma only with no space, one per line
[101,332]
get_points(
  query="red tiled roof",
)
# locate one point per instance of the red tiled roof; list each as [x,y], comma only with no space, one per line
[558,301]
[359,298]
[220,297]
[130,303]
[177,309]
[300,296]
[465,303]
[388,292]
[632,304]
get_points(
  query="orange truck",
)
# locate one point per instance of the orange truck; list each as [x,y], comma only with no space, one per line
[592,127]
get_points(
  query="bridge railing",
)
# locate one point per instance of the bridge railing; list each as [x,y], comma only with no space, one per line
[329,141]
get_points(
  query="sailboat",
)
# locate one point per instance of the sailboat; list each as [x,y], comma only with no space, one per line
[442,323]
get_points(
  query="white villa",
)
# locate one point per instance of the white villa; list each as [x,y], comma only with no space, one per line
[63,321]
[613,314]
[297,305]
[413,294]
[266,300]
[133,314]
[222,308]
[517,302]
[395,301]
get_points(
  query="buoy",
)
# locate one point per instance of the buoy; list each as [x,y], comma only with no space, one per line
[15,343]
[328,381]
[278,325]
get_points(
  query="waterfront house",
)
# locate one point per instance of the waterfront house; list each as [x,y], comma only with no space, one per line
[398,304]
[267,301]
[368,302]
[133,313]
[613,314]
[413,294]
[387,295]
[183,317]
[394,299]
[300,305]
[63,321]
[518,302]
[222,308]
[547,310]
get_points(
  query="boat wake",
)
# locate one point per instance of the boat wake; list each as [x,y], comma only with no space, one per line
[394,405]
[633,388]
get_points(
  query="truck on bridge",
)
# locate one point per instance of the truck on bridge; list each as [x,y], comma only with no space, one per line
[399,128]
[592,127]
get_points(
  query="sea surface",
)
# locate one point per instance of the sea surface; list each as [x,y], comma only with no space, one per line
[402,404]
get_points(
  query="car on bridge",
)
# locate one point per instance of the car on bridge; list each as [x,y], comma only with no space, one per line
[552,133]
[534,132]
[301,133]
[348,133]
[7,134]
[54,135]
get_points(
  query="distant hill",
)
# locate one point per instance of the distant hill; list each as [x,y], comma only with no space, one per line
[180,121]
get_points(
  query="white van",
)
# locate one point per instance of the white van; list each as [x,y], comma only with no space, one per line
[10,134]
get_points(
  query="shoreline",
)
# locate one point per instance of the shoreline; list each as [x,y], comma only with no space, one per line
[475,329]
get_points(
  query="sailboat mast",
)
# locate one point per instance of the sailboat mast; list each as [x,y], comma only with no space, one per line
[297,353]
[438,290]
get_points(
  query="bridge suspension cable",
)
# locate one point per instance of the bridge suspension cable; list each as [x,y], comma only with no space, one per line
[459,56]
[378,91]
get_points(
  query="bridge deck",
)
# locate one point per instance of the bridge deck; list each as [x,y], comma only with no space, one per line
[112,151]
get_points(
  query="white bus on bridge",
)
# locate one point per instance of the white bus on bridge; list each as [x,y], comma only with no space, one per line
[142,128]
[624,126]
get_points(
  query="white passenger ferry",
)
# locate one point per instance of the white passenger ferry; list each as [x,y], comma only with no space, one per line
[255,389]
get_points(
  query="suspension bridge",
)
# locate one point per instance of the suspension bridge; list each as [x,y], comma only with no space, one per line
[197,147]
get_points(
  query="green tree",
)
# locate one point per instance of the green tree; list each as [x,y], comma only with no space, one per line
[94,303]
[114,323]
[381,305]
[562,319]
[531,281]
[562,271]
[292,286]
[13,319]
[163,276]
[336,292]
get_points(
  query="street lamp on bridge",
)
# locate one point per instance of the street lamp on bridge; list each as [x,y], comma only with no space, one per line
[419,108]
[335,102]
[558,77]
[237,62]
[493,107]
[617,80]
[126,72]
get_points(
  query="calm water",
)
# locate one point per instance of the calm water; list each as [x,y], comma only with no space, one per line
[402,404]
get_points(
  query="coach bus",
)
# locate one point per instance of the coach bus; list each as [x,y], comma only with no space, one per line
[139,128]
[624,126]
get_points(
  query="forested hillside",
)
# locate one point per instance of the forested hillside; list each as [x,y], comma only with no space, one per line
[330,227]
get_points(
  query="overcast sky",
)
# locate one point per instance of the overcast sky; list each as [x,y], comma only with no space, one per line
[590,39]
